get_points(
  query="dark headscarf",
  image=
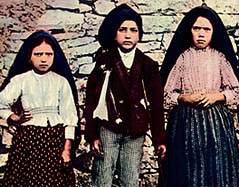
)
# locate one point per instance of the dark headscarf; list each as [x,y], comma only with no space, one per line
[182,40]
[112,22]
[22,63]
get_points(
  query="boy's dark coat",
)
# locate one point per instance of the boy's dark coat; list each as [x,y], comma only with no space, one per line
[127,90]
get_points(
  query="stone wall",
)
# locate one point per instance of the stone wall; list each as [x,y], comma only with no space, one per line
[75,24]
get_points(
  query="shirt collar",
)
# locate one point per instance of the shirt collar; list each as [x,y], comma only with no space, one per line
[38,76]
[127,58]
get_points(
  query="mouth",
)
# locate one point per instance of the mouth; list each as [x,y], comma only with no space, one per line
[201,41]
[43,66]
[127,43]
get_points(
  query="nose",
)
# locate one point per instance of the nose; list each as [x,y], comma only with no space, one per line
[201,33]
[127,34]
[44,58]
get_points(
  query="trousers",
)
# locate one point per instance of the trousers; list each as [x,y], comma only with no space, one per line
[121,155]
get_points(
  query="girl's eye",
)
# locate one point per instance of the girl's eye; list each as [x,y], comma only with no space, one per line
[195,28]
[49,54]
[38,54]
[207,29]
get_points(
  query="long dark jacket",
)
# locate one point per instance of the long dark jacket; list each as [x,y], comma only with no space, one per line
[125,97]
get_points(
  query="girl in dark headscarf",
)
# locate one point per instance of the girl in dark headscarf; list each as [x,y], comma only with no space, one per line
[200,74]
[41,81]
[182,40]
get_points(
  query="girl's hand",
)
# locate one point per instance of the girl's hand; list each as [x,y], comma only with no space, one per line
[211,98]
[193,99]
[66,154]
[15,119]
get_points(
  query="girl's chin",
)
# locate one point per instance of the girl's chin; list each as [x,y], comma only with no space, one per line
[41,72]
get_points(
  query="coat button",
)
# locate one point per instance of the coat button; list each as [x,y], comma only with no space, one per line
[137,116]
[136,106]
[121,101]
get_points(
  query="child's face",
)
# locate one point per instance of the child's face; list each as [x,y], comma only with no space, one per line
[127,35]
[42,57]
[202,32]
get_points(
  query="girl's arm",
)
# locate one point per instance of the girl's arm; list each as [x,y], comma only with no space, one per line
[229,85]
[67,109]
[173,87]
[8,96]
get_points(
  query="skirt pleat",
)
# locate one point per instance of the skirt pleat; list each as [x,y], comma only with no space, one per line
[202,150]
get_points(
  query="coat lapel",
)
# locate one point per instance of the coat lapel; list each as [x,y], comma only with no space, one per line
[135,75]
[130,82]
[121,72]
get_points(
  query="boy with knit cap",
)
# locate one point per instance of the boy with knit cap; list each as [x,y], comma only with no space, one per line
[124,94]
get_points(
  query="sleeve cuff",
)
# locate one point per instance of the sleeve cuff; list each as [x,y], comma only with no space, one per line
[70,132]
[172,101]
[5,114]
[175,98]
[228,97]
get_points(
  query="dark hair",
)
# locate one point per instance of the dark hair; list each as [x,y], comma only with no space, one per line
[182,40]
[60,65]
[112,22]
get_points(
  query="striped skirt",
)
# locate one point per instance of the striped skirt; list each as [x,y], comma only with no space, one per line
[35,159]
[202,150]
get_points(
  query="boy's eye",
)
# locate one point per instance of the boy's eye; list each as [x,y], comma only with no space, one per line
[122,29]
[134,30]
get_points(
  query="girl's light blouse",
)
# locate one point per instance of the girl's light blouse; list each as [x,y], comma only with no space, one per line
[48,97]
[201,70]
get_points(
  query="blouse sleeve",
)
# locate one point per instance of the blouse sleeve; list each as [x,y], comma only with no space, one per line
[173,85]
[230,85]
[67,110]
[8,96]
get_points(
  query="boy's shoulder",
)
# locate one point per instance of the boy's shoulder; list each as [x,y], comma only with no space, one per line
[143,55]
[106,57]
[146,60]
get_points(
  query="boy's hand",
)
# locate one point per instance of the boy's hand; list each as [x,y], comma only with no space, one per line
[161,151]
[97,146]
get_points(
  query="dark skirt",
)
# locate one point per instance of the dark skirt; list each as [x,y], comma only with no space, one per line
[35,159]
[202,150]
